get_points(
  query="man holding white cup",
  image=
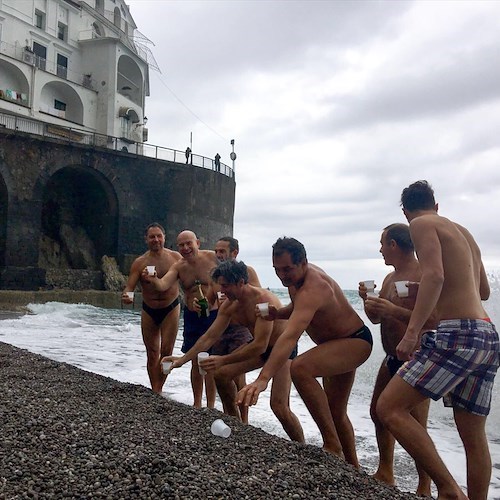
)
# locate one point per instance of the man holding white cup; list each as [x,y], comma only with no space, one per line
[239,309]
[160,310]
[392,310]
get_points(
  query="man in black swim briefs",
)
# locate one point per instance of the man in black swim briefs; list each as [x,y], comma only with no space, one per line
[319,307]
[160,310]
[392,313]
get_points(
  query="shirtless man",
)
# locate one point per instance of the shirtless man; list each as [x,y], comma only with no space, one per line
[320,308]
[239,309]
[228,248]
[195,265]
[393,314]
[160,310]
[459,362]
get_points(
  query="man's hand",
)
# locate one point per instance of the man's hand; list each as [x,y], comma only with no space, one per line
[381,307]
[362,290]
[175,360]
[249,395]
[406,348]
[196,306]
[271,315]
[126,299]
[211,363]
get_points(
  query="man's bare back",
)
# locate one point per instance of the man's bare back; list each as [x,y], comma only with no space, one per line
[461,265]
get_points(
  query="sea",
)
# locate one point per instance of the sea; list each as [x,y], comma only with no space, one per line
[108,342]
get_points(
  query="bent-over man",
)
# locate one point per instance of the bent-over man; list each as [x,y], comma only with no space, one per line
[319,307]
[239,309]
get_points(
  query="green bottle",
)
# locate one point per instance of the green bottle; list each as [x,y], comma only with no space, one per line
[202,301]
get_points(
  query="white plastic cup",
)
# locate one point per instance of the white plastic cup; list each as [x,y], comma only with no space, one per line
[151,270]
[221,296]
[130,295]
[166,366]
[401,288]
[220,428]
[201,356]
[372,294]
[370,285]
[263,308]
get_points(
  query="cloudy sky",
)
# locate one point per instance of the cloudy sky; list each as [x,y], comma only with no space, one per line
[335,107]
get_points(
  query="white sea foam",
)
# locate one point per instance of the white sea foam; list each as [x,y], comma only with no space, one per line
[109,342]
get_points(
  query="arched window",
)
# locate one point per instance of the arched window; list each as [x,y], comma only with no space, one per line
[118,18]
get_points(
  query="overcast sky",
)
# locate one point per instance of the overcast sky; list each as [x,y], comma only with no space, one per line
[335,107]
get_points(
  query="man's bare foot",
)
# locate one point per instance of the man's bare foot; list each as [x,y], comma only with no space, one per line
[452,495]
[384,478]
[336,452]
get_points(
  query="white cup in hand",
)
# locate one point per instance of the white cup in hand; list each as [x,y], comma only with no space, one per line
[220,428]
[263,308]
[130,295]
[151,270]
[166,367]
[202,356]
[369,285]
[402,288]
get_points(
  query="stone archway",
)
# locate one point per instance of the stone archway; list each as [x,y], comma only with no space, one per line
[79,220]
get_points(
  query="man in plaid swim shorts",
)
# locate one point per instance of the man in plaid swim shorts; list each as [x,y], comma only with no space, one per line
[457,362]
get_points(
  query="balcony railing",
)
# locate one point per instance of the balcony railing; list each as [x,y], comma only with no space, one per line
[28,57]
[79,136]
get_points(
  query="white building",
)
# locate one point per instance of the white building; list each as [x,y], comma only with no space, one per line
[74,63]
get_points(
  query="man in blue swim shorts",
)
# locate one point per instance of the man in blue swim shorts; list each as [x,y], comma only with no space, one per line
[458,362]
[194,266]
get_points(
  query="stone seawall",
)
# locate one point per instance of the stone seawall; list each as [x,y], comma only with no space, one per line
[13,300]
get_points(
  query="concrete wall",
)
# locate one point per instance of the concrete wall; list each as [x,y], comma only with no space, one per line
[112,195]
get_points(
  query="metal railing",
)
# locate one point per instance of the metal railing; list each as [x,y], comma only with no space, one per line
[79,136]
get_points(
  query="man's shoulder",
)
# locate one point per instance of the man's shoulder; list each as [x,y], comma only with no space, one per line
[171,254]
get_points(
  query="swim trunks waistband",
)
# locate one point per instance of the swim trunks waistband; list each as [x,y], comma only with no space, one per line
[265,355]
[158,315]
[363,333]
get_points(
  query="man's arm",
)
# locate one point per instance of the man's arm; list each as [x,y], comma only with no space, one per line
[428,248]
[164,283]
[301,317]
[284,312]
[261,334]
[133,278]
[207,340]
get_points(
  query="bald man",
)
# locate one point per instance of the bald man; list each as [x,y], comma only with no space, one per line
[195,265]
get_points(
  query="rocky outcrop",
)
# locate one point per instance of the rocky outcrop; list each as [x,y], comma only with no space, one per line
[114,280]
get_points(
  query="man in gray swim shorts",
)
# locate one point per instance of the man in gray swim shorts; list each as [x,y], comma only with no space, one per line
[459,362]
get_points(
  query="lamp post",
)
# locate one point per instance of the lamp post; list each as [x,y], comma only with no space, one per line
[232,155]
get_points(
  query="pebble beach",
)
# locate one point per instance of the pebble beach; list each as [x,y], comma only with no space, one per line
[69,433]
